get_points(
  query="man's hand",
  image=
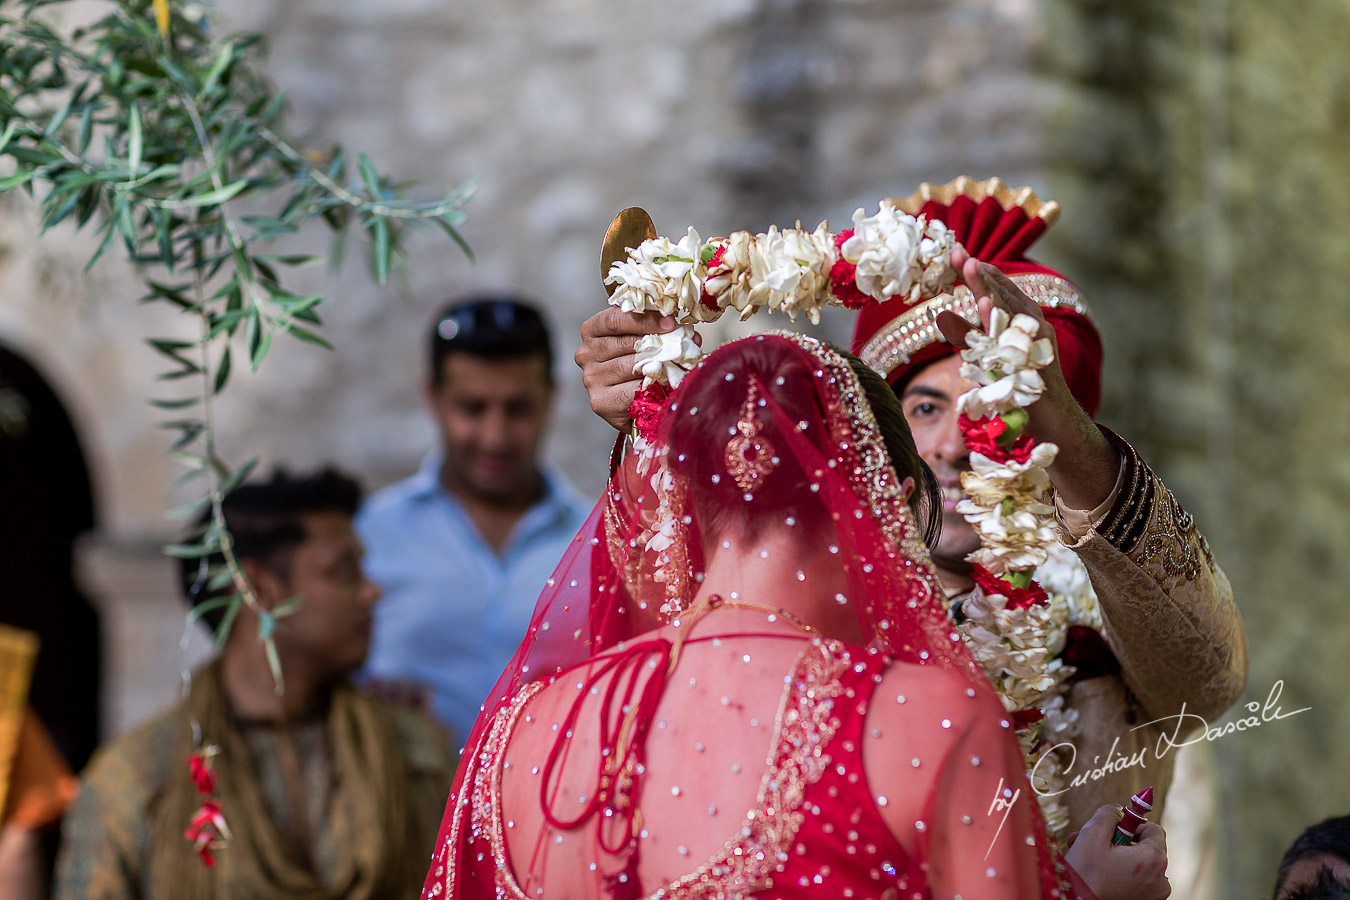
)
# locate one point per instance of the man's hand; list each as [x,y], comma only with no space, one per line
[606,359]
[1134,872]
[1085,470]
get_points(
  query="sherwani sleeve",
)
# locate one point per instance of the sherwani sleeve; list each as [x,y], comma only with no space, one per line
[99,858]
[1168,610]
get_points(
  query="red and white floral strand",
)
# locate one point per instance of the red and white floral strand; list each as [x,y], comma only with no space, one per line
[208,831]
[1013,627]
[792,271]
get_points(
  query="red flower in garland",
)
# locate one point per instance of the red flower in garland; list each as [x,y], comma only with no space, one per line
[207,830]
[844,278]
[982,436]
[647,410]
[1025,718]
[203,776]
[1018,598]
[706,298]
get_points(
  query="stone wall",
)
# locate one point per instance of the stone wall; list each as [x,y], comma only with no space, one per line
[724,115]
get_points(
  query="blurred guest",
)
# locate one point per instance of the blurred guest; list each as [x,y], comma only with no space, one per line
[46,503]
[39,790]
[326,792]
[1317,865]
[35,784]
[463,547]
[20,869]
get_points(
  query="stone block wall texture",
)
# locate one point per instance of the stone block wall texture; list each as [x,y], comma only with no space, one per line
[725,115]
[1203,156]
[719,115]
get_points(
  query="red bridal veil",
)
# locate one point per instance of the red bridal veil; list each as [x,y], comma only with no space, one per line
[741,680]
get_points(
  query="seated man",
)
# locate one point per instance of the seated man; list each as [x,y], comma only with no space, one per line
[1317,865]
[326,792]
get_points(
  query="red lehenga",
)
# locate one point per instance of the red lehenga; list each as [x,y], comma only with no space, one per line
[739,752]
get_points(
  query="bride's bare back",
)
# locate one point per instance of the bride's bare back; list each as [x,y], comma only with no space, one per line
[728,716]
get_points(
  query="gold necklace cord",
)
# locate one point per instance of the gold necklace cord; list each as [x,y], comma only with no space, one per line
[716,600]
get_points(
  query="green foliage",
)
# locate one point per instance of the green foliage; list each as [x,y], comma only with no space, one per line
[156,140]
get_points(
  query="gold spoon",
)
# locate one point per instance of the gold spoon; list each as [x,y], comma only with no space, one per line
[629,228]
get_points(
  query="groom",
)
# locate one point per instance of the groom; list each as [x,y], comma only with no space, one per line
[1173,638]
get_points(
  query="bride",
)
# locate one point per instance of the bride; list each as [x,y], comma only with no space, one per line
[741,680]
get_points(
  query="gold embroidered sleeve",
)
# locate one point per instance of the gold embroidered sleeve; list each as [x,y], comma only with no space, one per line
[105,835]
[1168,609]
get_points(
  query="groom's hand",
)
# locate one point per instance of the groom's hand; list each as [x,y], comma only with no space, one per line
[1085,470]
[1136,872]
[606,357]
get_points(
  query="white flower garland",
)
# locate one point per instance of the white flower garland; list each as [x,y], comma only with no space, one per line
[899,255]
[665,358]
[659,276]
[789,271]
[1019,644]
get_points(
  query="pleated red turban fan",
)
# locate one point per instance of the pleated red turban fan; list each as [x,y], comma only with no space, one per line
[996,224]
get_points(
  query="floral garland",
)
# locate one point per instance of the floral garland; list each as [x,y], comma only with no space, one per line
[208,831]
[1019,629]
[792,271]
[796,272]
[1012,625]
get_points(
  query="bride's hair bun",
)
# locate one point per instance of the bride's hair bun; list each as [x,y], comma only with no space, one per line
[712,402]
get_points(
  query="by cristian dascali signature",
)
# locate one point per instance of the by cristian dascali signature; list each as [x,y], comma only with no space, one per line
[1259,714]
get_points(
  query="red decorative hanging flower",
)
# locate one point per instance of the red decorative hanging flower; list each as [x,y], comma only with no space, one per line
[844,278]
[208,858]
[647,410]
[1018,598]
[1025,718]
[203,776]
[207,831]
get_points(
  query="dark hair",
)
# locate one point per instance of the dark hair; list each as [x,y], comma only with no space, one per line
[894,427]
[491,326]
[1326,887]
[708,411]
[1329,837]
[265,523]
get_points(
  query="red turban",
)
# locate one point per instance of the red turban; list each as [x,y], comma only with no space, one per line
[997,225]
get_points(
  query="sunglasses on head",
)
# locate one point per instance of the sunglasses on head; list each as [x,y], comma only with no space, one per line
[482,316]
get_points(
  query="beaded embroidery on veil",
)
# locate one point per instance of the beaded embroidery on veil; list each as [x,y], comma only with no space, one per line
[736,751]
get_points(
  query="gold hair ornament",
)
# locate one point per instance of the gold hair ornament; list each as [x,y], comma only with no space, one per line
[750,455]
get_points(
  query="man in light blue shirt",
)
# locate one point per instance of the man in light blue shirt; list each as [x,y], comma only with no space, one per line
[463,547]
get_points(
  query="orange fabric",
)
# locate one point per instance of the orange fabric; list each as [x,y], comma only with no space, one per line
[41,784]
